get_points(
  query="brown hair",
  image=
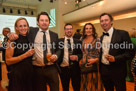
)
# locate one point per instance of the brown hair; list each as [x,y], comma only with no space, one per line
[110,16]
[43,13]
[67,25]
[93,29]
[21,18]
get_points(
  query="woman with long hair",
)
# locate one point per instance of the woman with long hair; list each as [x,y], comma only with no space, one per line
[90,80]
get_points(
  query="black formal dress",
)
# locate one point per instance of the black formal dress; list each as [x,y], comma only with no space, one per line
[20,74]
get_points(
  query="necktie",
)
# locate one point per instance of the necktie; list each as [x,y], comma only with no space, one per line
[105,34]
[69,50]
[44,47]
[69,45]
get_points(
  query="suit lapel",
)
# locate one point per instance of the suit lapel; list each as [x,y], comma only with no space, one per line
[113,39]
[50,33]
[113,36]
[31,36]
[35,33]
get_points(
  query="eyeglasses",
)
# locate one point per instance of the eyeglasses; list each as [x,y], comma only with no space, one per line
[68,28]
[5,31]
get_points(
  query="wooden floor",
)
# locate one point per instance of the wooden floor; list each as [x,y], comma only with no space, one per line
[130,85]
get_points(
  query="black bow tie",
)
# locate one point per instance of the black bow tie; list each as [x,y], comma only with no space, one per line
[105,34]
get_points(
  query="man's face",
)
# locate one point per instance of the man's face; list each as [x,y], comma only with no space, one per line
[5,32]
[68,31]
[44,22]
[105,22]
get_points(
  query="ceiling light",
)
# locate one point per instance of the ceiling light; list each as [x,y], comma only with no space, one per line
[18,11]
[66,3]
[26,12]
[4,10]
[51,1]
[32,13]
[101,3]
[11,11]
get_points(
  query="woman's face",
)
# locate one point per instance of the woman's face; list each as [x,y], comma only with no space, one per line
[88,30]
[22,27]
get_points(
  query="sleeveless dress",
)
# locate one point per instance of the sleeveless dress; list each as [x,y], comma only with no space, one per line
[91,81]
[20,74]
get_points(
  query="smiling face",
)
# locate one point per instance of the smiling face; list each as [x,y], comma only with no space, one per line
[43,22]
[22,27]
[88,30]
[68,31]
[106,22]
[5,31]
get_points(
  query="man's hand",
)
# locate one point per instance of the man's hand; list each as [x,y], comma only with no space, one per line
[110,58]
[53,58]
[73,57]
[13,36]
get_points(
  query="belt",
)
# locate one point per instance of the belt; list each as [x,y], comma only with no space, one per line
[42,67]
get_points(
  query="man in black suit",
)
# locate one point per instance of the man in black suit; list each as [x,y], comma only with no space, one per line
[77,34]
[44,70]
[44,73]
[5,31]
[69,59]
[113,54]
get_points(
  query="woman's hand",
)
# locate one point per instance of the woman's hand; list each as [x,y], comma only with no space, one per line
[30,52]
[91,61]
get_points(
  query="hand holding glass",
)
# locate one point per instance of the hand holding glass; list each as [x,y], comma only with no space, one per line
[48,55]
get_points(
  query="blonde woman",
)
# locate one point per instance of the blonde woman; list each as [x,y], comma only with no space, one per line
[19,60]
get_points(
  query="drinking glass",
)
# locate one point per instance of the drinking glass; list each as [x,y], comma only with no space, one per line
[48,55]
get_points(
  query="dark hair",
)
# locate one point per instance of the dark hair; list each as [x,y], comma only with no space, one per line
[78,30]
[67,25]
[93,30]
[7,28]
[110,16]
[43,13]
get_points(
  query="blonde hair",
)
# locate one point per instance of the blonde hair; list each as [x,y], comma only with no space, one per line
[132,32]
[21,18]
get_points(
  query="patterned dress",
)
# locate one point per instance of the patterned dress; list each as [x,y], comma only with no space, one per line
[90,81]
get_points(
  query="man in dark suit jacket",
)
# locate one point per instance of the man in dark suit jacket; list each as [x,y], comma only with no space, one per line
[114,53]
[69,59]
[5,31]
[77,34]
[43,40]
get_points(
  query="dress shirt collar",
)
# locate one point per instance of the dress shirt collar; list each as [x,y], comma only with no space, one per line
[47,31]
[110,31]
[68,38]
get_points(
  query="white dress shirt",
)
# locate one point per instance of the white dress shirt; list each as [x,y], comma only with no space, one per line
[38,46]
[106,46]
[65,61]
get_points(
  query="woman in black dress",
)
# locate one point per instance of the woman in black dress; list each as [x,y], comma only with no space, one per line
[19,59]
